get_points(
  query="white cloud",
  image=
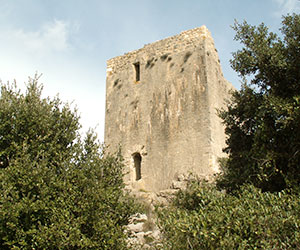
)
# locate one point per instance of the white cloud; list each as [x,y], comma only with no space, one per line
[51,37]
[25,52]
[287,6]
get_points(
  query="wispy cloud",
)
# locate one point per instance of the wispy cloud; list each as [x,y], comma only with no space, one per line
[23,52]
[42,49]
[287,6]
[51,37]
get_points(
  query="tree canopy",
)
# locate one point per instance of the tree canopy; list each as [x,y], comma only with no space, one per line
[263,119]
[57,189]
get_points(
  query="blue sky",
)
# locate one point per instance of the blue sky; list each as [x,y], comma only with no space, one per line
[69,41]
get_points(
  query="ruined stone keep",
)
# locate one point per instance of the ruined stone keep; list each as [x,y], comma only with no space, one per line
[161,104]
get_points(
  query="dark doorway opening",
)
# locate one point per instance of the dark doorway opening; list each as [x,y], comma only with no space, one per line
[137,158]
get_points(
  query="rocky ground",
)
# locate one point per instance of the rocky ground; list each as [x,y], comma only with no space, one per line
[142,229]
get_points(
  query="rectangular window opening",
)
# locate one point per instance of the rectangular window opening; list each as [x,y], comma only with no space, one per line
[137,159]
[137,71]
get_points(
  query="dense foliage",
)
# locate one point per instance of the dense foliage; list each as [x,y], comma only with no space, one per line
[263,118]
[57,190]
[202,217]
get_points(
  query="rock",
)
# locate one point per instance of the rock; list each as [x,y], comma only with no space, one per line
[138,218]
[178,184]
[167,193]
[135,227]
[181,177]
[140,237]
[156,234]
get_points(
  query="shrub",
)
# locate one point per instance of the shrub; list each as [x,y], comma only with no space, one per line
[204,218]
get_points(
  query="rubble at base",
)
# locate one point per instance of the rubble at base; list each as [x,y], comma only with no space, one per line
[142,229]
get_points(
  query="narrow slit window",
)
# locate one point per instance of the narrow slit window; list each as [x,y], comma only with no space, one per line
[137,158]
[137,71]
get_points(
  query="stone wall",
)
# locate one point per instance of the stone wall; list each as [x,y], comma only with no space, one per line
[184,41]
[161,105]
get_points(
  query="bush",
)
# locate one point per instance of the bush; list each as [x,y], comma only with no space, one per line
[57,190]
[204,218]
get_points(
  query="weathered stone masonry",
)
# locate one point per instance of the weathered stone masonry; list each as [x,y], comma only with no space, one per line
[161,104]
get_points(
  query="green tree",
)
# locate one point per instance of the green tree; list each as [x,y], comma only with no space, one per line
[47,126]
[263,118]
[57,189]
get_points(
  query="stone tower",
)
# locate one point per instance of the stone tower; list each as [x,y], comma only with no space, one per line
[161,104]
